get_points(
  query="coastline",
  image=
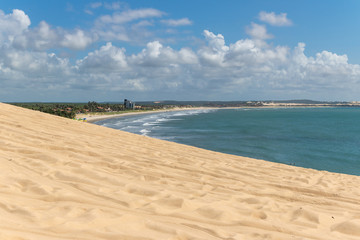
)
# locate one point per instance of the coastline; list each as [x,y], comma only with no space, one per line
[91,118]
[272,134]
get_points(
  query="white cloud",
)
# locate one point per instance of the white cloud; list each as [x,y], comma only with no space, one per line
[40,38]
[216,42]
[233,69]
[13,24]
[275,19]
[32,70]
[247,67]
[214,52]
[107,58]
[130,25]
[331,59]
[109,6]
[15,31]
[77,40]
[177,22]
[129,16]
[37,64]
[217,69]
[187,56]
[137,26]
[258,32]
[43,37]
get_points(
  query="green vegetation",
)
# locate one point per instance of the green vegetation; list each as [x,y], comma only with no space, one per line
[61,109]
[69,110]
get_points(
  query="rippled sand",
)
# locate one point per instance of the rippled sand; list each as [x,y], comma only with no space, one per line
[63,179]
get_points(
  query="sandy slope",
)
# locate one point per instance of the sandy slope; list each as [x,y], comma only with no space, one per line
[63,179]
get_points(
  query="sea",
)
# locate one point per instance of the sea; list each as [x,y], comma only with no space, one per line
[319,138]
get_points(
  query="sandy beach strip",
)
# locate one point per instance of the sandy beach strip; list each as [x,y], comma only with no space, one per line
[101,116]
[65,179]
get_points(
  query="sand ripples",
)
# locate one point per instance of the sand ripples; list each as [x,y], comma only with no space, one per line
[62,179]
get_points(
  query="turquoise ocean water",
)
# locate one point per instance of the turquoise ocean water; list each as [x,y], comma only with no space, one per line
[319,138]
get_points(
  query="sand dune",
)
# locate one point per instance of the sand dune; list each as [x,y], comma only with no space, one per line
[63,179]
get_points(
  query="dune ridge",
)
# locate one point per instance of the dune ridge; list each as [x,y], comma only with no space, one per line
[63,179]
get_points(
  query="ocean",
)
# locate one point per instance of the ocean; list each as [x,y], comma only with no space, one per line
[319,138]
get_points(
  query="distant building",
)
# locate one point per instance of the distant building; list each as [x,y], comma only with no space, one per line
[129,104]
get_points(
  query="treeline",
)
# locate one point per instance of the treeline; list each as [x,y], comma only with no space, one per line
[69,110]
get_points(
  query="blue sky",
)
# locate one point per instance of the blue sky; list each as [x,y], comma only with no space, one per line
[180,50]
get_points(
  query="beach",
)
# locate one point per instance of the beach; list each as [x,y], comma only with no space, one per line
[65,179]
[94,117]
[98,116]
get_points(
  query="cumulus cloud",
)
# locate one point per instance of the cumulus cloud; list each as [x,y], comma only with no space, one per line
[155,67]
[33,63]
[275,19]
[215,42]
[177,22]
[247,67]
[258,31]
[214,52]
[40,38]
[13,24]
[107,58]
[77,40]
[216,67]
[15,31]
[156,55]
[28,70]
[43,37]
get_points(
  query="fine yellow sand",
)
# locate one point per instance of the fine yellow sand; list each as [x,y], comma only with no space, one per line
[63,179]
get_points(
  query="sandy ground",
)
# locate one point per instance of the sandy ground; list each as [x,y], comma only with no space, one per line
[64,179]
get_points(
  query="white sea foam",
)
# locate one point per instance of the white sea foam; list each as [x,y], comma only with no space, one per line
[128,127]
[193,112]
[166,119]
[144,124]
[149,124]
[139,120]
[145,131]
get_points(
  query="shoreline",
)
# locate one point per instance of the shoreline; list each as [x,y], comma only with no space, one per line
[91,118]
[146,129]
